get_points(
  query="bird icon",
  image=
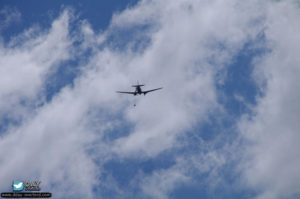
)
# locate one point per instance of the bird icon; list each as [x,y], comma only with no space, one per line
[18,185]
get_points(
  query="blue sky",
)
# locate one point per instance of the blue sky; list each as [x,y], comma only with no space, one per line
[98,13]
[224,125]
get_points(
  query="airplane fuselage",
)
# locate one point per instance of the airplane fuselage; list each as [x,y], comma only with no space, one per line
[138,90]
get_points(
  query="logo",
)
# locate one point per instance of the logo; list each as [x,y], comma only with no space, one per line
[26,189]
[26,186]
[18,185]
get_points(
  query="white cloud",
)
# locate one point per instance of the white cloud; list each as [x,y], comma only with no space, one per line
[49,144]
[25,62]
[273,165]
[183,173]
[163,181]
[8,16]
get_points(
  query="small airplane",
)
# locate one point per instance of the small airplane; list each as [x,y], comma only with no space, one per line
[138,90]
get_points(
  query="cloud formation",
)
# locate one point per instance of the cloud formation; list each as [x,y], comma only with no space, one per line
[8,16]
[67,140]
[274,128]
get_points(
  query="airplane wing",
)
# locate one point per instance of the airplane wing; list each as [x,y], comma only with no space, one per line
[145,92]
[133,93]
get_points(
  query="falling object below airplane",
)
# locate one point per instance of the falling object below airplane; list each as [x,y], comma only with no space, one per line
[138,90]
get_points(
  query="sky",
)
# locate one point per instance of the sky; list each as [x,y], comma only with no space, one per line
[225,124]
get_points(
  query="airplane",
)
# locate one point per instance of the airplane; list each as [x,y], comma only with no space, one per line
[138,90]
